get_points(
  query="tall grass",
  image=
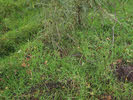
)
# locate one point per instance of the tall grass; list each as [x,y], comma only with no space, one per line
[64,17]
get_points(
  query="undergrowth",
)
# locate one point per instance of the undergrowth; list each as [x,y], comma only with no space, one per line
[62,49]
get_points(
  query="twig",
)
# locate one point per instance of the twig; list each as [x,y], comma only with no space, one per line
[113,28]
[113,35]
[71,38]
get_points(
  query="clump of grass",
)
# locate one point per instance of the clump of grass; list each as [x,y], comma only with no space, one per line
[18,27]
[64,18]
[10,41]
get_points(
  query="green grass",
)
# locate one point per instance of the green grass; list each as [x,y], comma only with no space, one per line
[37,61]
[18,27]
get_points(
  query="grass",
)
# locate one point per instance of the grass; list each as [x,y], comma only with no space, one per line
[45,57]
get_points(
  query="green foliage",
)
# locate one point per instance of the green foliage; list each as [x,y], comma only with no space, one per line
[18,27]
[64,49]
[10,41]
